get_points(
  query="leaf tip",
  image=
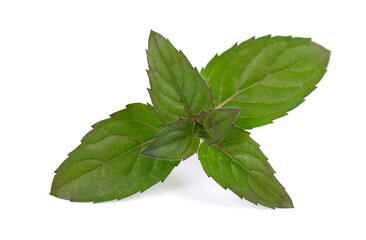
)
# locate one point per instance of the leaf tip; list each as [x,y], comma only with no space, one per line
[287,203]
[154,37]
[152,32]
[55,190]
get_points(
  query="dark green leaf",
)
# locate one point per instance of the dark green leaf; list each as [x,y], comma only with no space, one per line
[266,77]
[108,164]
[177,89]
[177,141]
[237,163]
[216,122]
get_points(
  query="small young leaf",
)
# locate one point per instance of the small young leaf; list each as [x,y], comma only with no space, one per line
[237,163]
[216,122]
[177,141]
[108,164]
[266,77]
[177,89]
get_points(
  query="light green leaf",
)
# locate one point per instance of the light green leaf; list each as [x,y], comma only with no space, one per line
[108,164]
[265,77]
[216,122]
[237,163]
[177,89]
[178,140]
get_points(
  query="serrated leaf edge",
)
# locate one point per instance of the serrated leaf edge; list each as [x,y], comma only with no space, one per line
[227,129]
[245,169]
[209,88]
[157,135]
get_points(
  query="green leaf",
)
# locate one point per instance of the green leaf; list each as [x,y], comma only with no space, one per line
[237,163]
[177,89]
[177,141]
[108,164]
[216,122]
[265,77]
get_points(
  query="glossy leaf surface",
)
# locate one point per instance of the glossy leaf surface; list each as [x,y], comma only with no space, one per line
[108,164]
[237,163]
[175,142]
[177,89]
[216,122]
[265,77]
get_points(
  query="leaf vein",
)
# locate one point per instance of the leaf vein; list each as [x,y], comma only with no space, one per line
[102,165]
[171,73]
[244,168]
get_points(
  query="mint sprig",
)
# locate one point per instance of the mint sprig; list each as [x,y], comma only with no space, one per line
[251,84]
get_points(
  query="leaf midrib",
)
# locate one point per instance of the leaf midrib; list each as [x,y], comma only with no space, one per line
[259,81]
[175,84]
[105,163]
[176,140]
[249,172]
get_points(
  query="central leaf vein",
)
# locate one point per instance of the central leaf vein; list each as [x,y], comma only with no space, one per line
[244,168]
[173,77]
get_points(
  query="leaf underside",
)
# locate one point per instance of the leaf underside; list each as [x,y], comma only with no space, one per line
[108,164]
[175,142]
[237,163]
[216,122]
[177,89]
[265,77]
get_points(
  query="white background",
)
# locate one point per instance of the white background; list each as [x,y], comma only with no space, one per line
[65,65]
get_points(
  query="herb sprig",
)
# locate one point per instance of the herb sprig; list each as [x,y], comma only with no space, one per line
[208,112]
